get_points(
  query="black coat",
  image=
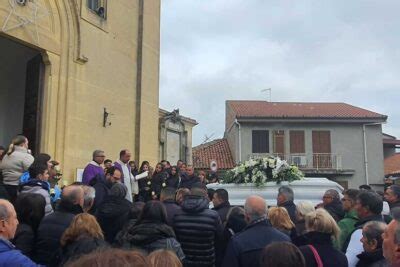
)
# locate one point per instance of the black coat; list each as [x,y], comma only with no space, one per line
[291,209]
[223,210]
[199,230]
[245,248]
[50,230]
[112,215]
[84,245]
[149,236]
[159,181]
[102,187]
[173,181]
[145,189]
[322,242]
[172,209]
[371,259]
[24,239]
[335,209]
[189,181]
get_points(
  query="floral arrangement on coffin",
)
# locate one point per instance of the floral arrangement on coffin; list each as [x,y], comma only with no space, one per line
[262,170]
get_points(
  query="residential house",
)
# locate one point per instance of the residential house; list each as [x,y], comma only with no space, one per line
[334,140]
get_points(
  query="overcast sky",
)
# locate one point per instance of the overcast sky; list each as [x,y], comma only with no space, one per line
[330,51]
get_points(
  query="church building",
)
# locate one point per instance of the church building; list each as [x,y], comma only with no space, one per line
[80,75]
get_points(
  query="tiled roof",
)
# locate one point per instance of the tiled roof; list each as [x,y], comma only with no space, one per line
[392,165]
[217,150]
[264,109]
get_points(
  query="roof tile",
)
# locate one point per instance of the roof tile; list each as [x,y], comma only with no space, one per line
[392,164]
[217,150]
[264,109]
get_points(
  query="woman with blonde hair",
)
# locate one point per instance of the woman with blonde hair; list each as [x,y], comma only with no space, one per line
[280,220]
[302,209]
[83,236]
[163,258]
[318,249]
[15,162]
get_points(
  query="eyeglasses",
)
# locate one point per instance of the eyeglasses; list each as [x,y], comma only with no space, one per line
[101,156]
[326,197]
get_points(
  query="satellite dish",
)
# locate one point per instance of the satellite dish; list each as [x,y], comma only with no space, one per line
[213,166]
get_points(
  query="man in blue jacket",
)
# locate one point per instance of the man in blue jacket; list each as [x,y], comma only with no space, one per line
[9,255]
[244,249]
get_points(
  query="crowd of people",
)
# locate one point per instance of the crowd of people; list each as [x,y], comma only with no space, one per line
[122,214]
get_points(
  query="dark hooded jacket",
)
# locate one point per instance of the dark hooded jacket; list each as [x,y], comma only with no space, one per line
[322,242]
[223,210]
[199,231]
[172,208]
[291,209]
[189,181]
[82,246]
[112,214]
[335,209]
[244,248]
[150,236]
[102,187]
[372,259]
[51,229]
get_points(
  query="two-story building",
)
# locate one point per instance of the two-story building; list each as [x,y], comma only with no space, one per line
[334,140]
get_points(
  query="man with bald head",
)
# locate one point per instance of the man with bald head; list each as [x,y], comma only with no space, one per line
[244,249]
[53,226]
[9,255]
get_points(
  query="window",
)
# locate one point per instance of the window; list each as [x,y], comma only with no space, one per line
[297,142]
[260,141]
[279,143]
[98,6]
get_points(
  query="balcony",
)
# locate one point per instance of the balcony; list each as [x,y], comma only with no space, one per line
[311,162]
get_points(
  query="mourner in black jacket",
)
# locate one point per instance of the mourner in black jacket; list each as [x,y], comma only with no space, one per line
[30,211]
[171,207]
[198,229]
[53,226]
[221,203]
[151,232]
[114,212]
[245,248]
[285,199]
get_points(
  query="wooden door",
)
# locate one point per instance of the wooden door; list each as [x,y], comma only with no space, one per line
[33,102]
[297,145]
[321,143]
[279,143]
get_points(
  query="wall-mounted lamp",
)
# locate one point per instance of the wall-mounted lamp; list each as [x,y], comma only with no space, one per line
[106,121]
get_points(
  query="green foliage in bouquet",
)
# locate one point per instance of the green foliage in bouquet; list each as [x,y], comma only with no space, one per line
[262,170]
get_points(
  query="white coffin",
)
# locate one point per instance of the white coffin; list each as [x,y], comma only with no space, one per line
[311,189]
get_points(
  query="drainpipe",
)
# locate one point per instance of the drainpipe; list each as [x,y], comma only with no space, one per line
[240,141]
[365,150]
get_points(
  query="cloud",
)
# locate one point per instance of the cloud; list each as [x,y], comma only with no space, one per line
[336,51]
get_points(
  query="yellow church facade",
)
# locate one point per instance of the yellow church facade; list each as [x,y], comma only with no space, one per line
[80,75]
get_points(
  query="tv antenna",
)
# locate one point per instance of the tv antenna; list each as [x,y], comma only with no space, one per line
[207,138]
[270,93]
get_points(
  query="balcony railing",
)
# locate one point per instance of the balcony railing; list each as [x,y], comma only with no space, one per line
[315,161]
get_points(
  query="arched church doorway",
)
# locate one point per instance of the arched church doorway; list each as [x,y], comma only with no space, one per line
[21,92]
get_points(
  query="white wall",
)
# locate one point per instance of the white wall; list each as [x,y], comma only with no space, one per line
[13,59]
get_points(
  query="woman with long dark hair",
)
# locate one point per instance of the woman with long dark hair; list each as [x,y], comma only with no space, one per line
[174,179]
[30,208]
[151,231]
[159,180]
[145,184]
